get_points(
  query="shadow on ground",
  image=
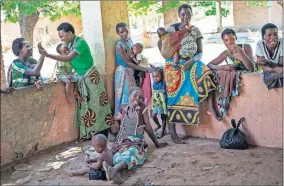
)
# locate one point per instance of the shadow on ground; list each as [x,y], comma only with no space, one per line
[199,162]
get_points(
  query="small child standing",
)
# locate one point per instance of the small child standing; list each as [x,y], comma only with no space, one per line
[95,167]
[159,100]
[140,60]
[64,72]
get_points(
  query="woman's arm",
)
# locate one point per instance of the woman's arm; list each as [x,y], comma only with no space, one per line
[268,66]
[128,61]
[63,58]
[150,131]
[36,70]
[214,64]
[199,45]
[246,57]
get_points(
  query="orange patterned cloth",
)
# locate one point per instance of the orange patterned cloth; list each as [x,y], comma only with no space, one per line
[170,43]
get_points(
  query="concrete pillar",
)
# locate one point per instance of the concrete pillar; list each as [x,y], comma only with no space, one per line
[3,78]
[170,16]
[99,19]
[93,32]
[112,12]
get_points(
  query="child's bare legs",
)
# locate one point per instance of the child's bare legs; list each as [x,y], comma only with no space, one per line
[175,59]
[38,85]
[155,118]
[79,172]
[113,172]
[69,88]
[164,123]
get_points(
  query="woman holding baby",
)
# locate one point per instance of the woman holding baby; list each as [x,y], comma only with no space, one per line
[189,82]
[93,113]
[125,66]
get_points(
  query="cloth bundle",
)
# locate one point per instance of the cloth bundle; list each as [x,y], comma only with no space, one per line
[228,86]
[171,42]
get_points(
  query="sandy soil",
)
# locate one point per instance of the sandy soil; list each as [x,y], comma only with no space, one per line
[199,162]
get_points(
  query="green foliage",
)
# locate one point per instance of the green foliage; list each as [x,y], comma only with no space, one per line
[51,9]
[143,6]
[256,3]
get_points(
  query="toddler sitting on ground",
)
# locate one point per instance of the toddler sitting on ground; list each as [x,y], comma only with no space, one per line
[95,167]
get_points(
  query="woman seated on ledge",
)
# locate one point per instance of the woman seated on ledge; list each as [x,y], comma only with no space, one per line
[130,148]
[269,53]
[238,58]
[24,71]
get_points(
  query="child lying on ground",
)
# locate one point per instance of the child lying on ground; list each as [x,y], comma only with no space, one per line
[64,72]
[140,60]
[95,167]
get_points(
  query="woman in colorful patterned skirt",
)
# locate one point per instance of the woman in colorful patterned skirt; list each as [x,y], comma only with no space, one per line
[130,148]
[124,74]
[238,58]
[189,82]
[93,113]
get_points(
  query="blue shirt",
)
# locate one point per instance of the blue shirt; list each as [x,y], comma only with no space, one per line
[129,45]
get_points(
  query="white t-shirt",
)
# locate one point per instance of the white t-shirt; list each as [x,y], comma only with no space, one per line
[143,59]
[262,50]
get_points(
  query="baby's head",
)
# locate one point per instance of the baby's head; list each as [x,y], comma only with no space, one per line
[62,49]
[161,32]
[99,142]
[137,48]
[158,74]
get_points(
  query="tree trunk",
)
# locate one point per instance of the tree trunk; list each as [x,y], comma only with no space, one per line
[146,35]
[27,25]
[219,15]
[3,77]
[170,16]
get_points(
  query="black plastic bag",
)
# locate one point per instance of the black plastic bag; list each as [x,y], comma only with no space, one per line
[234,138]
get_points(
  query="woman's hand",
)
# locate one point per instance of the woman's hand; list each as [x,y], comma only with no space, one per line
[267,69]
[264,62]
[41,50]
[161,145]
[227,67]
[188,64]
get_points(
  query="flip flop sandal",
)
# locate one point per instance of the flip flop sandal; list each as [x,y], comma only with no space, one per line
[105,166]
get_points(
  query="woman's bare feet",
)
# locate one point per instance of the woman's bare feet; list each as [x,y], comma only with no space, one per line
[114,175]
[38,86]
[176,139]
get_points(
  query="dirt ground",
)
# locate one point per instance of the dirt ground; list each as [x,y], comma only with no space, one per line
[199,162]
